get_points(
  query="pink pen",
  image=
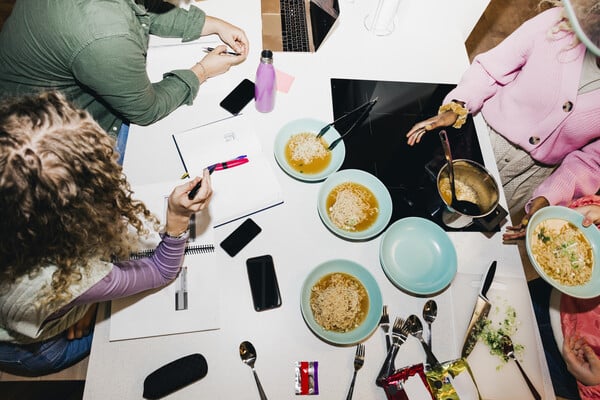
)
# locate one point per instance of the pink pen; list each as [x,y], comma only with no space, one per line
[219,167]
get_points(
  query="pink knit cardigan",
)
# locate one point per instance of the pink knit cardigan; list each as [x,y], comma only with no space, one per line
[526,89]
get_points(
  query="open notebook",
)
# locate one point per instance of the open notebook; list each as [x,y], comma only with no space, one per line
[189,303]
[239,191]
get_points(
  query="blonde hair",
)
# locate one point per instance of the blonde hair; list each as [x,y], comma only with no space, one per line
[588,12]
[63,197]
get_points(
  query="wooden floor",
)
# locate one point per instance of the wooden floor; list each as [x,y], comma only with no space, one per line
[500,19]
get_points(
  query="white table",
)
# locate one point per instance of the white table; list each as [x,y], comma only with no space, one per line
[431,51]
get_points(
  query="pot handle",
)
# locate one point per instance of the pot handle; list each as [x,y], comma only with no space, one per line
[492,220]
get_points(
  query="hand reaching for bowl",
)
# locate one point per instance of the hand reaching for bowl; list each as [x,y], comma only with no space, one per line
[519,231]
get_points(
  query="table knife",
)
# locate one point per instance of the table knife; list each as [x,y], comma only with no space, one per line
[480,313]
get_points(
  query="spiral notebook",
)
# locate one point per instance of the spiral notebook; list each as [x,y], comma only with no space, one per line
[190,303]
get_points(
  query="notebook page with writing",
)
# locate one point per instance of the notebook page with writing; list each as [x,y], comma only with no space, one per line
[155,312]
[239,191]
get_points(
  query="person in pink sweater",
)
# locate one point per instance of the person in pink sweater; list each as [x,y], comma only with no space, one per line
[538,91]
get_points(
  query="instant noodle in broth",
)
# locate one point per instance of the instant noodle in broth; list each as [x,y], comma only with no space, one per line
[352,207]
[339,302]
[563,252]
[307,154]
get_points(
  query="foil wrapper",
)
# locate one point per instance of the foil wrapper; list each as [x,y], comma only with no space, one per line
[307,377]
[453,380]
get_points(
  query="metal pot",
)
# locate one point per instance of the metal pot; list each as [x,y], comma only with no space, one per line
[473,183]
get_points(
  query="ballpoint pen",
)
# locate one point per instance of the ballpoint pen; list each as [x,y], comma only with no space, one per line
[240,160]
[231,53]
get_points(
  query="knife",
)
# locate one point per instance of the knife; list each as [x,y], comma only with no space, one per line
[480,313]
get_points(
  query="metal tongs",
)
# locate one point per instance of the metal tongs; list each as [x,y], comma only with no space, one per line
[367,108]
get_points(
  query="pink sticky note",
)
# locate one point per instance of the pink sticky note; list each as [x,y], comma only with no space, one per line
[284,81]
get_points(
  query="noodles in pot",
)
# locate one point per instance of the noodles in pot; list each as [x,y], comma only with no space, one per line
[563,252]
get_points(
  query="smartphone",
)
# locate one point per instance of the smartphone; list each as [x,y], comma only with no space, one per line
[235,101]
[240,237]
[263,283]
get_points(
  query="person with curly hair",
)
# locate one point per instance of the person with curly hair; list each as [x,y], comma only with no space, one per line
[539,93]
[95,53]
[66,216]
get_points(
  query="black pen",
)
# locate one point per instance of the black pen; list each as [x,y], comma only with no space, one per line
[231,53]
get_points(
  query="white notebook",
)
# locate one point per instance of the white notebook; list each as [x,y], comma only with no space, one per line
[239,191]
[159,311]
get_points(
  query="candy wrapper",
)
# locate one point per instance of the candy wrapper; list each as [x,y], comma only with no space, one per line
[307,377]
[407,383]
[453,380]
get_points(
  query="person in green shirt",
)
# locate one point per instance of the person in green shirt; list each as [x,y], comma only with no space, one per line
[94,52]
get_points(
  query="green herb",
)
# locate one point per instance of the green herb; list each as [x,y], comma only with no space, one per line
[491,333]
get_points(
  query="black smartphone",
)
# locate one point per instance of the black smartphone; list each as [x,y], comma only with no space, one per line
[235,101]
[240,237]
[263,283]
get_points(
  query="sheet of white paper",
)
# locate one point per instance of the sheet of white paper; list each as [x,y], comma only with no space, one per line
[239,191]
[153,313]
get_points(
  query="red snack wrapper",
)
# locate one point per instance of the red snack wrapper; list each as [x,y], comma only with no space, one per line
[307,377]
[393,385]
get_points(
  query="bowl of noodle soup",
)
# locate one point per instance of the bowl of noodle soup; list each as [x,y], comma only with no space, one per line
[564,252]
[304,157]
[354,204]
[341,302]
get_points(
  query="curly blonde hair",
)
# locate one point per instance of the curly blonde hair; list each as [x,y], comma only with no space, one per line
[588,12]
[63,197]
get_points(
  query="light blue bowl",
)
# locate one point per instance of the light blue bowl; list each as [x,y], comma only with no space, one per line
[592,287]
[371,321]
[370,182]
[418,256]
[308,125]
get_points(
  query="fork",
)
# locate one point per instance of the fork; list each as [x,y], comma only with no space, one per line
[399,335]
[359,360]
[384,323]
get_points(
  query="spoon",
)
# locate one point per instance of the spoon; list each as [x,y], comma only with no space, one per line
[415,328]
[248,356]
[462,206]
[429,314]
[509,351]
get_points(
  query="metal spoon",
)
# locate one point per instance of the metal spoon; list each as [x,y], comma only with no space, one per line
[462,206]
[429,314]
[248,356]
[509,351]
[415,327]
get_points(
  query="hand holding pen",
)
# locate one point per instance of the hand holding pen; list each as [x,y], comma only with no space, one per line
[231,53]
[240,160]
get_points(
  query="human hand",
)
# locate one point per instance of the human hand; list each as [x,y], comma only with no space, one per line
[215,63]
[82,327]
[442,120]
[230,34]
[581,360]
[591,214]
[180,208]
[519,231]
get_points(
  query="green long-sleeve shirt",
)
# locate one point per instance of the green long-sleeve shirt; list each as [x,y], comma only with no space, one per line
[94,51]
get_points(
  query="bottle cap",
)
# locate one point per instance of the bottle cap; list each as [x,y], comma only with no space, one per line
[266,54]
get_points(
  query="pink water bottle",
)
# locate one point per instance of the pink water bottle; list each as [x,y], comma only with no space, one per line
[265,85]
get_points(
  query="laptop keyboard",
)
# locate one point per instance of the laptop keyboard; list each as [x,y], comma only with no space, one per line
[293,23]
